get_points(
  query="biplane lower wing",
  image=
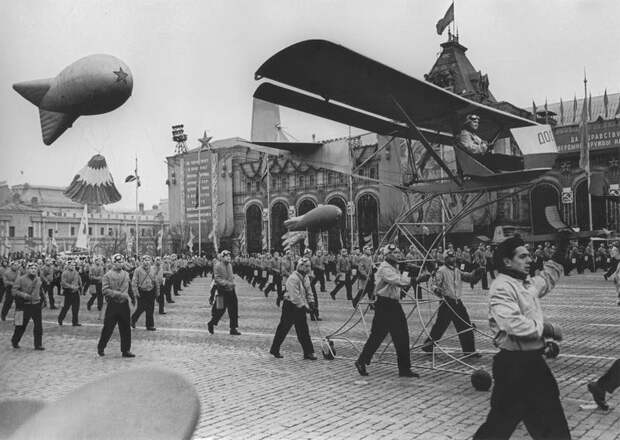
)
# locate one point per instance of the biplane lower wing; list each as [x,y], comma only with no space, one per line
[302,148]
[553,236]
[493,182]
[336,73]
[334,112]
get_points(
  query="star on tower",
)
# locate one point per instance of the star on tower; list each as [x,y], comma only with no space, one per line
[121,75]
[205,141]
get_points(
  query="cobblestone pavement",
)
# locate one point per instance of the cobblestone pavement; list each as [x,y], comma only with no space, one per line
[248,394]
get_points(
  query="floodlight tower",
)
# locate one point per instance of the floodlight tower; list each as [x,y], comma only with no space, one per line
[179,136]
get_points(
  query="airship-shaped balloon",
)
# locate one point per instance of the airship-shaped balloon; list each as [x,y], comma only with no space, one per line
[92,85]
[320,218]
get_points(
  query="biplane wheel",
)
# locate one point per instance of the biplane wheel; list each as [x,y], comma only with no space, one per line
[481,380]
[329,353]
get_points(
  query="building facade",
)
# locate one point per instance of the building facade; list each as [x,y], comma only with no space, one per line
[41,219]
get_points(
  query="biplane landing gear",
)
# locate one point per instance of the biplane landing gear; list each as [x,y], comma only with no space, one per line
[421,306]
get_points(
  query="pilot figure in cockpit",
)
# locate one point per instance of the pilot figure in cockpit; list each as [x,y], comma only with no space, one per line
[469,140]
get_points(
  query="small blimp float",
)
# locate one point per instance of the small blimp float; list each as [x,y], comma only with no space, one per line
[320,218]
[92,85]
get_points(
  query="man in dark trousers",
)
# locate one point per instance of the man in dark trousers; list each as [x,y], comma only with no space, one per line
[96,274]
[607,383]
[524,387]
[9,277]
[47,277]
[448,285]
[29,298]
[115,285]
[145,286]
[71,284]
[389,316]
[227,298]
[298,300]
[365,274]
[343,275]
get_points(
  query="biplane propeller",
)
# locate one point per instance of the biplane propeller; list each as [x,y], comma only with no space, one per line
[328,80]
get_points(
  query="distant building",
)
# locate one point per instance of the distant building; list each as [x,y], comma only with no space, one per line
[245,190]
[41,219]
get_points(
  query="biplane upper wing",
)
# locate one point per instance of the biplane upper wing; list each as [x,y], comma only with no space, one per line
[336,73]
[334,112]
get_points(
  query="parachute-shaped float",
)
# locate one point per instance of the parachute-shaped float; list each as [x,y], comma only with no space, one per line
[93,184]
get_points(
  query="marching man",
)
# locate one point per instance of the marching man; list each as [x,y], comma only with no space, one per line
[115,285]
[298,300]
[29,299]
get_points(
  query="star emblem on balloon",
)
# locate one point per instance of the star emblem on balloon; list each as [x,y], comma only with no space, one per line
[121,75]
[205,141]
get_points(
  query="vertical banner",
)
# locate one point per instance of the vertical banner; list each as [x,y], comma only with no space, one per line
[214,197]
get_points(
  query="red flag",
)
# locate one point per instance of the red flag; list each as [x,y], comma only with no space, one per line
[534,110]
[561,112]
[574,108]
[448,18]
[606,103]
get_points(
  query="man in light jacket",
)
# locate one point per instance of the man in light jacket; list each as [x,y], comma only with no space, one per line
[225,282]
[298,300]
[525,389]
[389,316]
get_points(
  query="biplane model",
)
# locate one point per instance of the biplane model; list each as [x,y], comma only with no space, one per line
[336,83]
[328,80]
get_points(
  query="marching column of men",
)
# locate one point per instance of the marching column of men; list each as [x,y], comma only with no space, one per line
[521,331]
[30,286]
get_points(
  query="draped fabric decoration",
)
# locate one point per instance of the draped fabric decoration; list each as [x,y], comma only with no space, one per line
[93,184]
[255,170]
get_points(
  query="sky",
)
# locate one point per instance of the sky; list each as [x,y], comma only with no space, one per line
[193,62]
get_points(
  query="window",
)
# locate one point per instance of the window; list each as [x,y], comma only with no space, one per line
[284,183]
[311,183]
[248,187]
[341,178]
[110,232]
[11,231]
[330,178]
[50,233]
[142,232]
[72,231]
[30,231]
[132,231]
[372,173]
[101,231]
[90,230]
[302,181]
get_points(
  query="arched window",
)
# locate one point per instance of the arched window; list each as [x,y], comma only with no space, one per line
[254,229]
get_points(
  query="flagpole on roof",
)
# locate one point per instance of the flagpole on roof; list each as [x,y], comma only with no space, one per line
[268,174]
[586,152]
